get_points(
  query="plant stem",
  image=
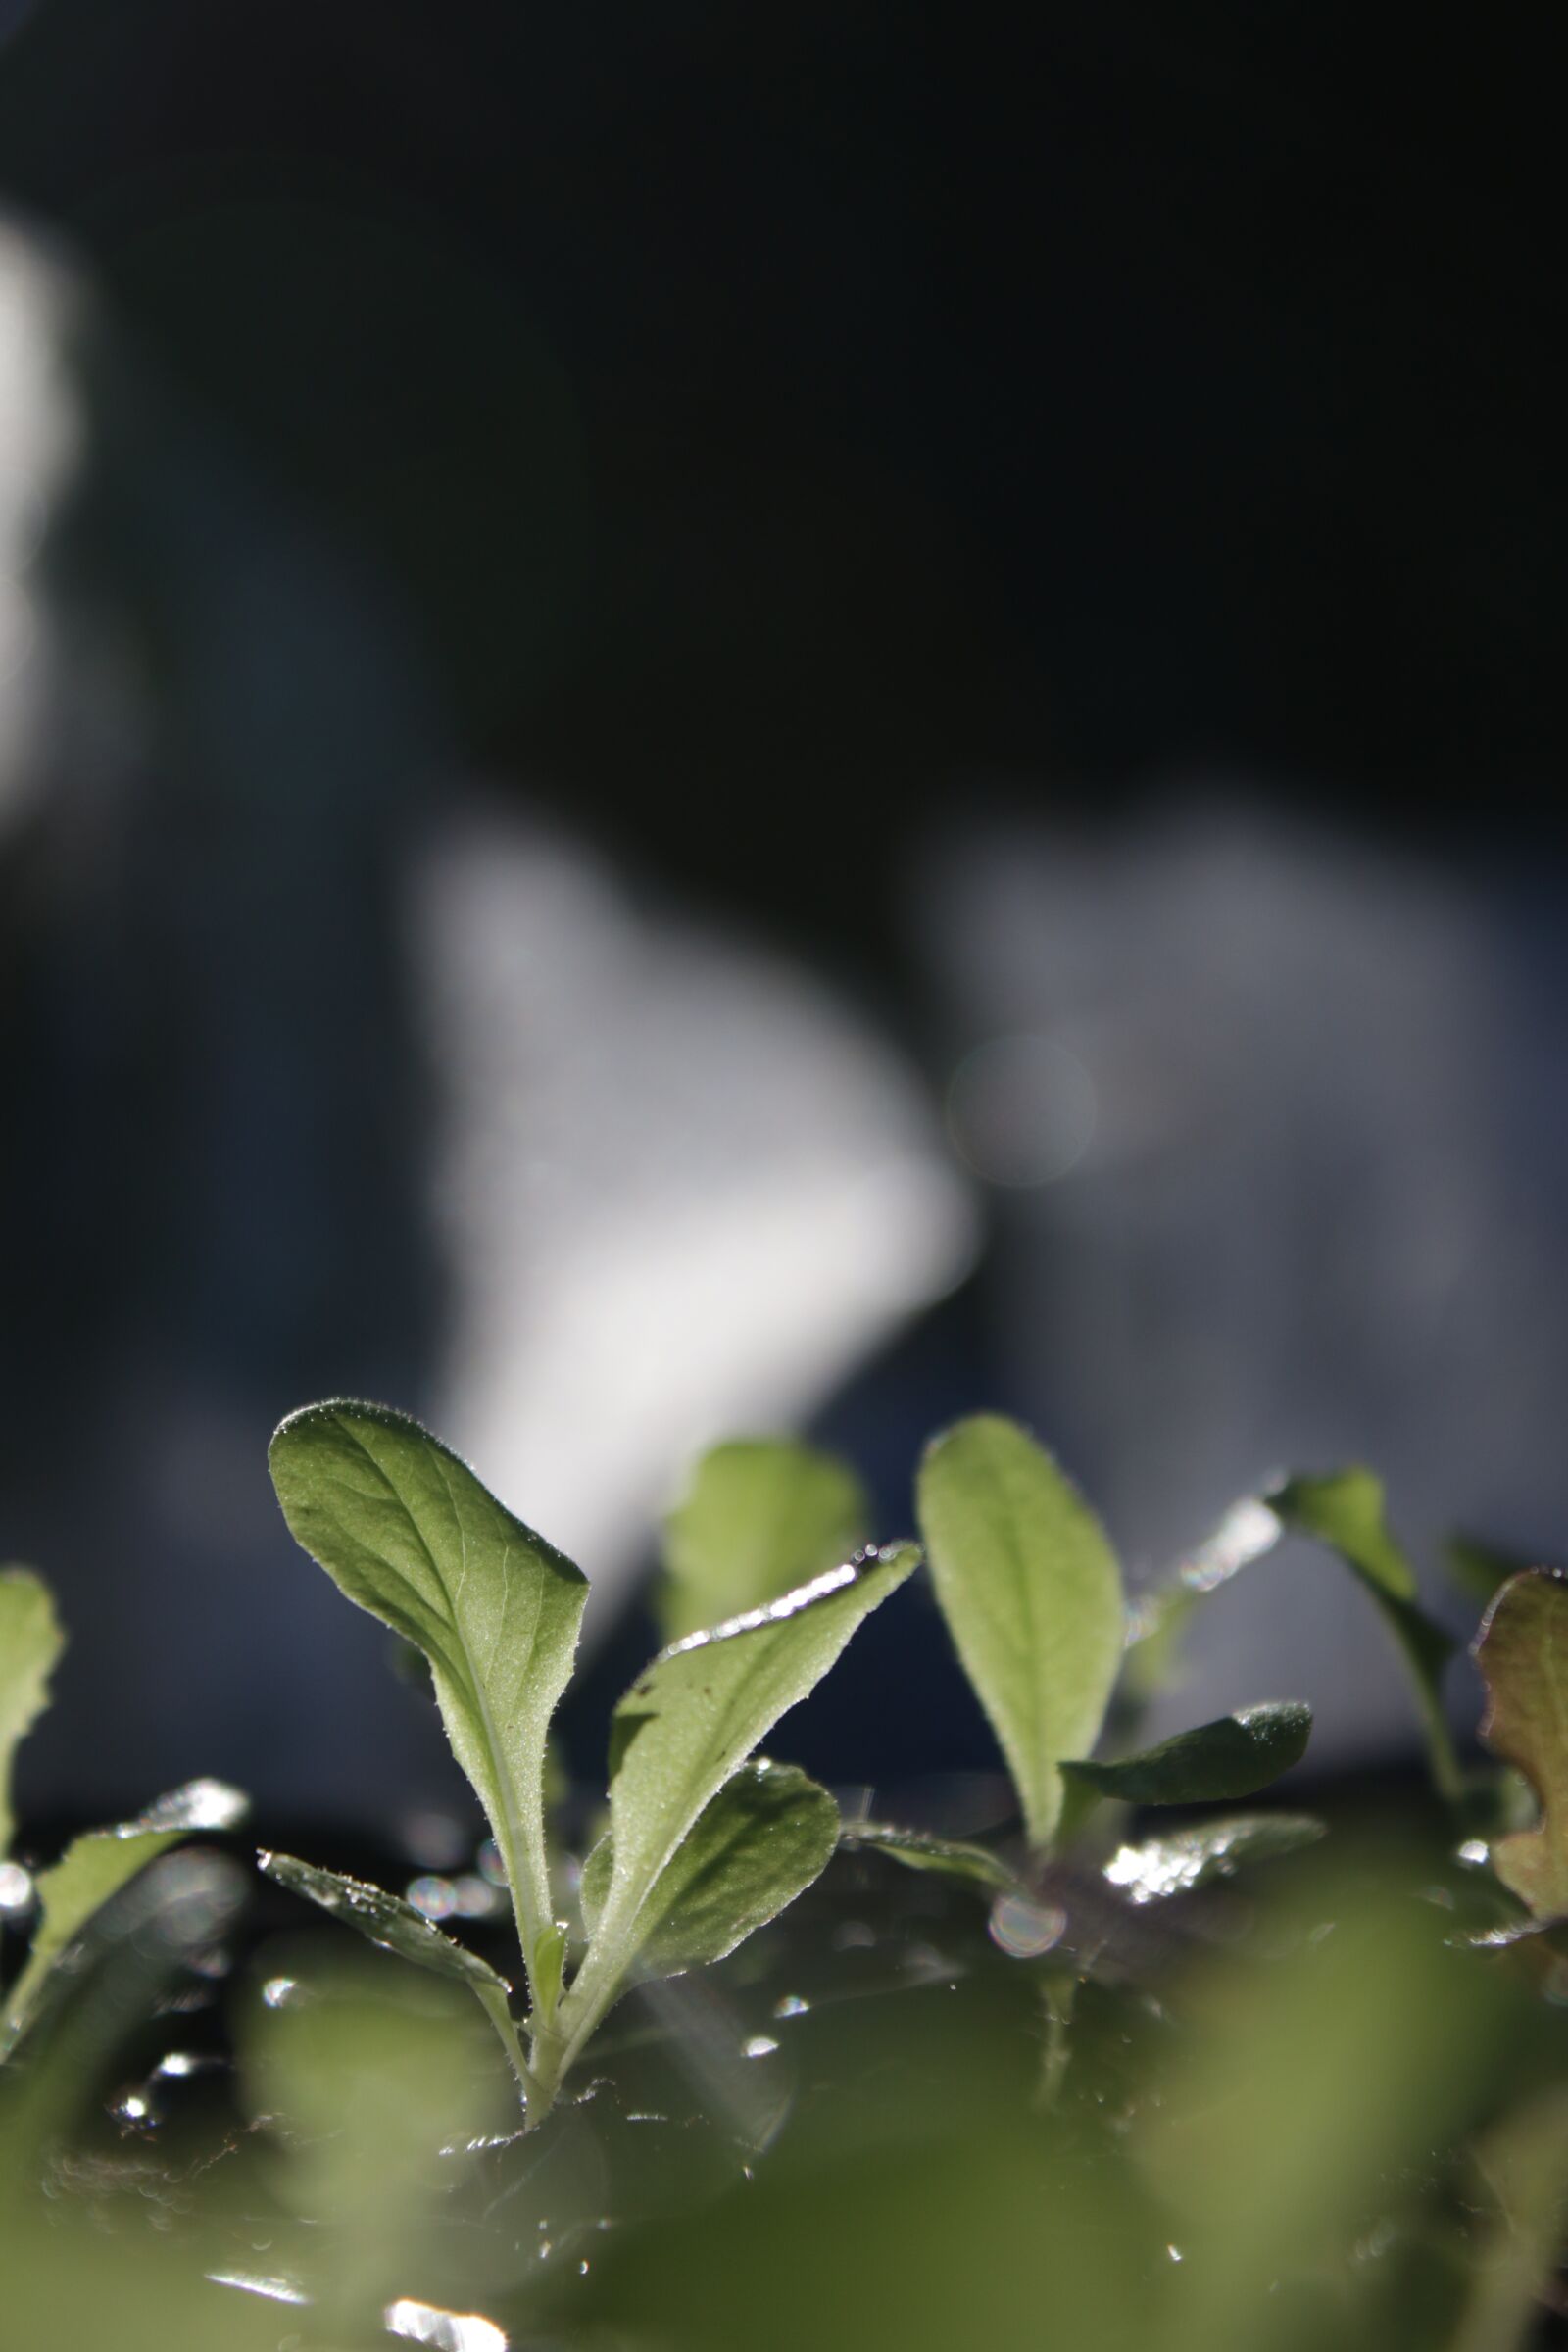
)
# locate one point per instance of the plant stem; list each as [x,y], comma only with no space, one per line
[500,2015]
[1058,1990]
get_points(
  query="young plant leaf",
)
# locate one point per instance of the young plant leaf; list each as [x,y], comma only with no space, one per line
[388,1921]
[96,1866]
[762,1516]
[1032,1595]
[1186,1859]
[384,1919]
[30,1644]
[755,1847]
[1345,1510]
[1522,1652]
[686,1725]
[1234,1756]
[406,1530]
[697,1712]
[945,1857]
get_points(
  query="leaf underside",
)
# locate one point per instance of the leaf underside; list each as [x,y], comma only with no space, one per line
[1522,1652]
[762,1516]
[385,1919]
[945,1857]
[755,1847]
[1214,1763]
[406,1530]
[1032,1595]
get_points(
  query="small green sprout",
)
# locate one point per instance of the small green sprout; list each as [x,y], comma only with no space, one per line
[704,1844]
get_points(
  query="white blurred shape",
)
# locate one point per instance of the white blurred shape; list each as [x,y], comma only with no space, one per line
[443,2331]
[40,433]
[683,1191]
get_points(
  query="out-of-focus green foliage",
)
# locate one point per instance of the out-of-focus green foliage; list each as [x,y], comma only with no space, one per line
[1522,1655]
[93,1869]
[761,1516]
[1346,1511]
[30,1644]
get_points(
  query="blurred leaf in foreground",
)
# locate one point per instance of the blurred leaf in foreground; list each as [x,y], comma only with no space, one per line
[30,1644]
[1522,1652]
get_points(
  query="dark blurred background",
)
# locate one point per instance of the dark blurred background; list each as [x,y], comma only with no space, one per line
[719,719]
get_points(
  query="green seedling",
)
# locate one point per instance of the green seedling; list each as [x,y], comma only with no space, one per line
[703,1845]
[1032,1593]
[95,1867]
[1030,1587]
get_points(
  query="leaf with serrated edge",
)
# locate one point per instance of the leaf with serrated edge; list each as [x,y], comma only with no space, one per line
[1345,1510]
[755,1847]
[688,1722]
[96,1866]
[30,1644]
[945,1857]
[1234,1756]
[762,1516]
[407,1531]
[1186,1859]
[1522,1652]
[1031,1592]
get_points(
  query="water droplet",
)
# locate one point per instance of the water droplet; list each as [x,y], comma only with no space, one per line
[474,1897]
[854,1935]
[435,1840]
[180,2063]
[1024,1929]
[1474,1854]
[1021,1110]
[761,2045]
[16,1889]
[432,1897]
[491,1864]
[791,2005]
[277,1991]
